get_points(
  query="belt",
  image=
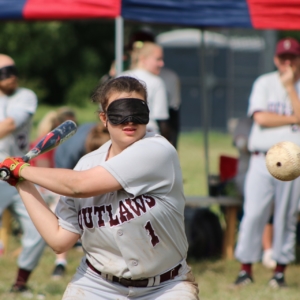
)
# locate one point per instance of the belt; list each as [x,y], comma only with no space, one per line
[140,282]
[259,152]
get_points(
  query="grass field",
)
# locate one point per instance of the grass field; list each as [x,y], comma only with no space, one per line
[213,276]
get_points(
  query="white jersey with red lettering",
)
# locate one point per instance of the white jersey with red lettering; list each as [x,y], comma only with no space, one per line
[137,232]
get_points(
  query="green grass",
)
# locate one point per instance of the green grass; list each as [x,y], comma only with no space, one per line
[213,277]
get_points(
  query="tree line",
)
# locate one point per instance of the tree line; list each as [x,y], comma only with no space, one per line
[61,61]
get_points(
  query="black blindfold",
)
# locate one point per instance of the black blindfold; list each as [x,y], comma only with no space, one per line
[7,72]
[128,110]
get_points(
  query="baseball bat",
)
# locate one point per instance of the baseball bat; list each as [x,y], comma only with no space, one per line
[51,140]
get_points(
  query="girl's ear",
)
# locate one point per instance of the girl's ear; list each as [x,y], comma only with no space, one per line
[103,118]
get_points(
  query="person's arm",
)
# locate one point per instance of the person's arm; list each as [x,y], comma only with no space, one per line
[288,81]
[7,126]
[269,119]
[258,108]
[77,184]
[164,128]
[45,221]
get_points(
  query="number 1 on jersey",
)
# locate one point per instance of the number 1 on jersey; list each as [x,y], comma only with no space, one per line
[150,230]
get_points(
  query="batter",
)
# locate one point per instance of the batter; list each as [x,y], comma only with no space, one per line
[125,201]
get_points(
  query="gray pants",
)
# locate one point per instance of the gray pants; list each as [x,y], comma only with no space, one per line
[88,285]
[260,190]
[32,243]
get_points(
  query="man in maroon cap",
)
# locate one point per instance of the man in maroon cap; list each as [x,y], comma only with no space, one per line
[274,106]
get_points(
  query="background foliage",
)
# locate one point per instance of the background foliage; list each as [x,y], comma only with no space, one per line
[61,61]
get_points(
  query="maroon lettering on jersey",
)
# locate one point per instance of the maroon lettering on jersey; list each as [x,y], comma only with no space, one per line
[87,217]
[98,211]
[149,200]
[151,232]
[112,221]
[123,211]
[139,205]
[80,219]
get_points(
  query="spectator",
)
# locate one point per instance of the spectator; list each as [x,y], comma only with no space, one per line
[146,63]
[47,123]
[17,107]
[275,108]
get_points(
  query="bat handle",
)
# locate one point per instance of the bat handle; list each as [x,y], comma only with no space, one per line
[26,158]
[4,173]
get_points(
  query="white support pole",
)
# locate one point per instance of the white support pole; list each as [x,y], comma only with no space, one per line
[119,44]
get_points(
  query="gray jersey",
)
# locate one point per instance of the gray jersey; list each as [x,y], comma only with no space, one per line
[20,106]
[268,94]
[137,232]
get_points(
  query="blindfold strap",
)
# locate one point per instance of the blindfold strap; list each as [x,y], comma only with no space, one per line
[7,72]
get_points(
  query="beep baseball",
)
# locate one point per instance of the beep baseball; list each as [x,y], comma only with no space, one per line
[283,161]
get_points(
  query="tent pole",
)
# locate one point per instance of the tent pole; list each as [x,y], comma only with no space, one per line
[205,110]
[119,44]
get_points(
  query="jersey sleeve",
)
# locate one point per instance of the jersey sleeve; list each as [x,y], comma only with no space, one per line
[23,107]
[258,97]
[144,168]
[67,215]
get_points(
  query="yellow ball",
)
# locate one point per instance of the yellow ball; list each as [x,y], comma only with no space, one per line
[283,161]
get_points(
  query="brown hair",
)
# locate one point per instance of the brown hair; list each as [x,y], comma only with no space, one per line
[47,123]
[97,136]
[118,85]
[65,113]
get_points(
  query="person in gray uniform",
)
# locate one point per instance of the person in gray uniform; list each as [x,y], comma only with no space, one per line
[17,107]
[124,200]
[274,106]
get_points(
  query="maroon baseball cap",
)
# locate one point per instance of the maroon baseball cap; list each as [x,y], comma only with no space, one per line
[287,46]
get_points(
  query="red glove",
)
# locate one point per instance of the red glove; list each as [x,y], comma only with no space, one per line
[15,165]
[7,176]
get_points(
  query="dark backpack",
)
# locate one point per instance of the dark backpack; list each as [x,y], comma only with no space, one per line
[205,235]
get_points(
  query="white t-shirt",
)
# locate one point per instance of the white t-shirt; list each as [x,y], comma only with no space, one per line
[268,94]
[157,96]
[20,106]
[137,232]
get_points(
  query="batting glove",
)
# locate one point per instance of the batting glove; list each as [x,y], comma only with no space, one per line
[13,181]
[15,166]
[5,175]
